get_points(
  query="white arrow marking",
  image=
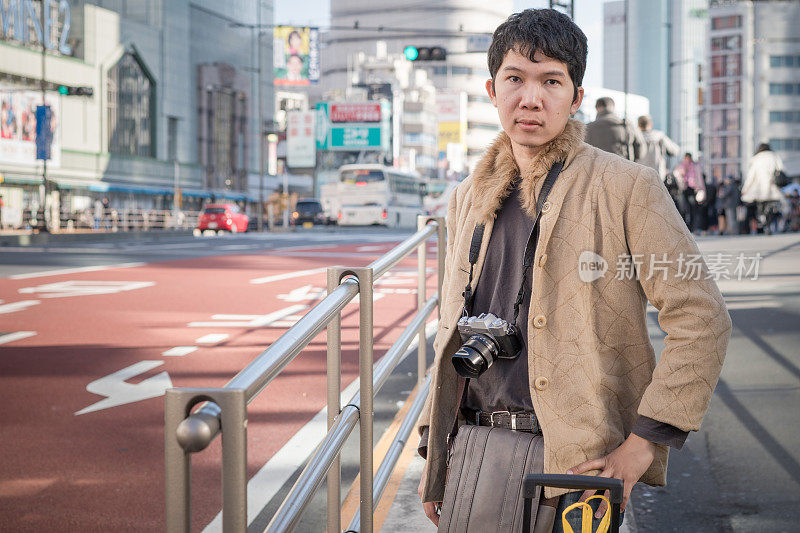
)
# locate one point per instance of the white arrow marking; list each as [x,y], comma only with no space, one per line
[11,337]
[118,392]
[18,306]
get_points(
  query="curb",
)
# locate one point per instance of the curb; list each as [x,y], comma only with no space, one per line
[32,239]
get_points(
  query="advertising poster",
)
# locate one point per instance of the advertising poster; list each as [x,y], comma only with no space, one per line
[301,146]
[296,55]
[18,127]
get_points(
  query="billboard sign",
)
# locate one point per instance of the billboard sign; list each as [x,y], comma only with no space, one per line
[301,147]
[353,126]
[18,128]
[22,21]
[452,115]
[295,55]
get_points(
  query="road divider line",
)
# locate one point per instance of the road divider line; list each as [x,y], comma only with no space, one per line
[252,321]
[17,335]
[266,483]
[212,338]
[77,270]
[13,307]
[288,275]
[179,351]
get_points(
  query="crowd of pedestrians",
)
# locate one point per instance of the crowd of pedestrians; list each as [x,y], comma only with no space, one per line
[764,202]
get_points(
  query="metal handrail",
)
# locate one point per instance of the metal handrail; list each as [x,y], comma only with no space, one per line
[288,514]
[384,472]
[188,432]
[197,431]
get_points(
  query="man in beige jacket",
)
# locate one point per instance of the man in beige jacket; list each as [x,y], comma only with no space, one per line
[609,241]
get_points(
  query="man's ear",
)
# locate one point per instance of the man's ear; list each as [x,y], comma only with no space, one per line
[490,91]
[576,104]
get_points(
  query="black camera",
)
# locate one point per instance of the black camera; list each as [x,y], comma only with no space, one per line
[485,338]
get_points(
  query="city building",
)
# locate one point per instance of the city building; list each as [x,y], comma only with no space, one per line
[753,85]
[462,27]
[165,97]
[665,61]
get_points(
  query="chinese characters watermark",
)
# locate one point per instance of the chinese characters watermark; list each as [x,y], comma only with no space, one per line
[717,266]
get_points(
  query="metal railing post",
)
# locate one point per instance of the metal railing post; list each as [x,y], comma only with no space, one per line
[422,273]
[365,362]
[177,463]
[179,442]
[334,364]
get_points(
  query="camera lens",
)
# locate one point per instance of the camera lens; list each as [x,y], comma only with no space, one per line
[475,356]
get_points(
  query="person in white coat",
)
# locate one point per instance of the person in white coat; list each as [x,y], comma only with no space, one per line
[760,190]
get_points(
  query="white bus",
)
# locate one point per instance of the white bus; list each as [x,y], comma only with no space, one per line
[375,194]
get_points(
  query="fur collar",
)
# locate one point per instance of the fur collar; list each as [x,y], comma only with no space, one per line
[496,171]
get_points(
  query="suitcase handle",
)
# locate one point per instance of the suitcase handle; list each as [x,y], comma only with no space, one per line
[564,481]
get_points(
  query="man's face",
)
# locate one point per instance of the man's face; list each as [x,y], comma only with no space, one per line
[534,100]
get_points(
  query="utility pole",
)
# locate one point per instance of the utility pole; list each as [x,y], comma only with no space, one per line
[625,64]
[260,128]
[43,86]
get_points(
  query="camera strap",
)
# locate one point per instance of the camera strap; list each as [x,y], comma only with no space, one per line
[530,247]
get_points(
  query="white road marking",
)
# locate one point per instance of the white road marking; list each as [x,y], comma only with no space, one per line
[370,248]
[273,475]
[13,307]
[288,275]
[18,335]
[306,292]
[212,338]
[248,321]
[118,392]
[62,271]
[179,351]
[65,289]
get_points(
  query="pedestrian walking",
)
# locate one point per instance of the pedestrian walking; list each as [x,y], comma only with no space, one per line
[760,191]
[689,178]
[727,202]
[533,364]
[657,146]
[614,134]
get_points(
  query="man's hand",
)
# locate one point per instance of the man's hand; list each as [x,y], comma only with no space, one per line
[628,463]
[431,509]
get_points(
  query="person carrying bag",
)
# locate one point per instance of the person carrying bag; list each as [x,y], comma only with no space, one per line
[543,360]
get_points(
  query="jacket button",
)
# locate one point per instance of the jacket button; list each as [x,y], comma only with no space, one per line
[540,321]
[541,383]
[543,260]
[546,207]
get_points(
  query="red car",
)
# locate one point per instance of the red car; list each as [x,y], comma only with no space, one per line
[222,217]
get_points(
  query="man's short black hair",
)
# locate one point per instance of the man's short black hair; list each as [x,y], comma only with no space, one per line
[547,31]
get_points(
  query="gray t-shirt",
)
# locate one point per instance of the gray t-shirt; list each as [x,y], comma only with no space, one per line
[504,386]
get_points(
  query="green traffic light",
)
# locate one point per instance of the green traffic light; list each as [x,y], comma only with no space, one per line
[63,89]
[411,53]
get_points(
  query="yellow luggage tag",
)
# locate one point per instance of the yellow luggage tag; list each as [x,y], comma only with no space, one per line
[586,516]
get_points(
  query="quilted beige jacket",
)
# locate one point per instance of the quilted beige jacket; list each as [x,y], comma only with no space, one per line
[592,368]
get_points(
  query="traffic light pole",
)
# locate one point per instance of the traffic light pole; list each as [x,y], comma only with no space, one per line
[44,103]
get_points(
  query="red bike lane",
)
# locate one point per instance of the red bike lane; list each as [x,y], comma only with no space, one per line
[82,437]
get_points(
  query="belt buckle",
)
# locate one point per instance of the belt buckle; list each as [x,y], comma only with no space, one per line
[513,419]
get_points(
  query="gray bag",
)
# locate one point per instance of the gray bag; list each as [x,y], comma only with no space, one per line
[484,481]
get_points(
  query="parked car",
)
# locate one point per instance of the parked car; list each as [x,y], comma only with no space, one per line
[308,211]
[222,217]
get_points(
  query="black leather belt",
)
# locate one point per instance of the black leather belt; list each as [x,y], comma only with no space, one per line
[519,421]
